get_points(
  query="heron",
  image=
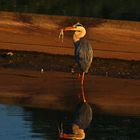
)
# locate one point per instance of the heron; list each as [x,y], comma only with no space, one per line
[83,49]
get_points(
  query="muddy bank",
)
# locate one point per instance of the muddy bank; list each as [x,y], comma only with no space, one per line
[64,63]
[32,32]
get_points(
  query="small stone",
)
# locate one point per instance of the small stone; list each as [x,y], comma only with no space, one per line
[42,70]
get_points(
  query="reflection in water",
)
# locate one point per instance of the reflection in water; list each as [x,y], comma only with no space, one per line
[40,124]
[44,122]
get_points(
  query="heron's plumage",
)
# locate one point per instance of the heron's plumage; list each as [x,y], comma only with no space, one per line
[83,54]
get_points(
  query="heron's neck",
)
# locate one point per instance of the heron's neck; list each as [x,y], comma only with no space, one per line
[79,34]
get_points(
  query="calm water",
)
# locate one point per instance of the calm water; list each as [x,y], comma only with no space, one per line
[17,123]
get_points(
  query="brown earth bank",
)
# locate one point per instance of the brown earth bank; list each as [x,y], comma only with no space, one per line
[61,91]
[64,63]
[31,32]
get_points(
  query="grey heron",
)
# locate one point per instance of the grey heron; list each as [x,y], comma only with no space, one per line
[83,49]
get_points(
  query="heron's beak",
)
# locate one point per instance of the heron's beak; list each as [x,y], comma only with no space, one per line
[70,29]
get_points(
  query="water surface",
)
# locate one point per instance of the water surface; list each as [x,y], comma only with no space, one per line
[19,123]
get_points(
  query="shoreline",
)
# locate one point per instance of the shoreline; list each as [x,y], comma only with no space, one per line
[107,67]
[34,32]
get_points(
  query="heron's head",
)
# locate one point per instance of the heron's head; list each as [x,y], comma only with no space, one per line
[79,31]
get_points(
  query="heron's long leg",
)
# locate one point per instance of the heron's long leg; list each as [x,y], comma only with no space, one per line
[83,77]
[83,93]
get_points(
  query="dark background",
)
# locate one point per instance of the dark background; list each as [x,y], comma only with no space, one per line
[110,9]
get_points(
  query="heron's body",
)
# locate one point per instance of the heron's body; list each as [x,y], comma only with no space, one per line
[83,54]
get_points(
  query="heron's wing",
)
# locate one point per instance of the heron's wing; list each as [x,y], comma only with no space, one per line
[85,54]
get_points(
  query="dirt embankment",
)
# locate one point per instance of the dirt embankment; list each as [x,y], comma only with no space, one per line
[31,32]
[64,63]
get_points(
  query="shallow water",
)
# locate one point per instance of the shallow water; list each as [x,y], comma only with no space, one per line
[18,123]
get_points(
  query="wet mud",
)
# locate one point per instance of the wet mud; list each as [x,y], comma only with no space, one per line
[49,62]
